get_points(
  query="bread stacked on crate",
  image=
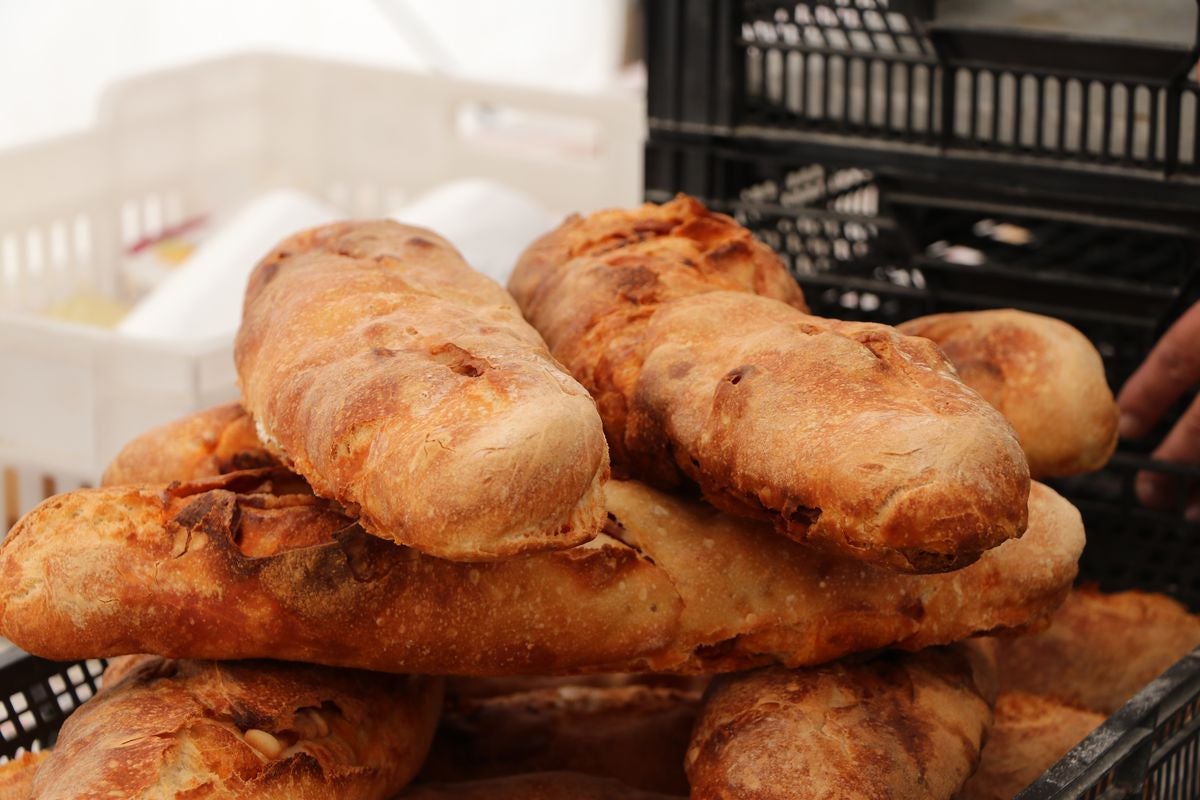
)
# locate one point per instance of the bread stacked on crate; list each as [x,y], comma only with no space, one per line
[417,483]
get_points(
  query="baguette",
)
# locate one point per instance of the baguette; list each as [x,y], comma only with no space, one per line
[705,369]
[899,726]
[540,786]
[1030,734]
[1100,649]
[168,729]
[250,565]
[635,734]
[1044,376]
[406,387]
[751,599]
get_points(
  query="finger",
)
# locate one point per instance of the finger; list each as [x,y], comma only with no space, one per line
[1172,367]
[1182,445]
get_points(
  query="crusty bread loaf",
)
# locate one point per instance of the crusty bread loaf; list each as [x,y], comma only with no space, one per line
[750,598]
[405,386]
[539,786]
[16,776]
[250,565]
[901,726]
[1100,649]
[721,593]
[848,436]
[1029,735]
[212,442]
[636,734]
[1043,375]
[178,729]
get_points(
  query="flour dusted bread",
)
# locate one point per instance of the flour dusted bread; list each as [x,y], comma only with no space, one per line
[1042,374]
[1029,735]
[901,726]
[252,565]
[538,786]
[405,386]
[849,436]
[1100,649]
[672,585]
[751,598]
[255,730]
[636,734]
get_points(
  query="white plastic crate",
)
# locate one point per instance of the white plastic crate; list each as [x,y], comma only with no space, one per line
[205,139]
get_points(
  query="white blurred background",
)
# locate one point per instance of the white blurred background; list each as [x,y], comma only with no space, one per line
[152,150]
[56,56]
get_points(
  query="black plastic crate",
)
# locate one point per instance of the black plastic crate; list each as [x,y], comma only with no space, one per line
[38,695]
[922,91]
[1148,749]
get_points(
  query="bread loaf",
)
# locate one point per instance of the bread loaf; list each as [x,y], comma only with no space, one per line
[636,734]
[847,436]
[750,598]
[178,729]
[1044,376]
[903,727]
[539,786]
[405,386]
[673,585]
[250,565]
[1029,735]
[1100,649]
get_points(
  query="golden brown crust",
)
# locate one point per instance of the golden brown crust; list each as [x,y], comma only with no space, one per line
[407,387]
[211,442]
[899,726]
[1100,649]
[635,734]
[1030,734]
[541,786]
[849,436]
[243,730]
[750,598]
[16,775]
[1043,375]
[250,565]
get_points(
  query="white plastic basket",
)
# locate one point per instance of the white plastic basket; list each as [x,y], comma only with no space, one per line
[205,139]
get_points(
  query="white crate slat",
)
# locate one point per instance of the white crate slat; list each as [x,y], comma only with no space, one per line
[206,138]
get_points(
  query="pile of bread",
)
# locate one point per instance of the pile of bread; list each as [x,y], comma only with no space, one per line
[499,543]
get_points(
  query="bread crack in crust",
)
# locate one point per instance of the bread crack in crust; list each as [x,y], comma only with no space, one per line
[253,729]
[406,387]
[706,370]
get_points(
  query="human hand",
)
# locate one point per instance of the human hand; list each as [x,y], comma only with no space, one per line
[1171,369]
